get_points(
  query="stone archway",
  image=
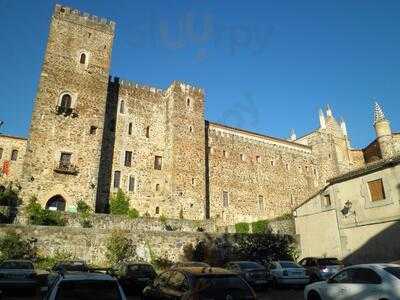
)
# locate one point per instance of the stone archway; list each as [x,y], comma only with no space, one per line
[56,202]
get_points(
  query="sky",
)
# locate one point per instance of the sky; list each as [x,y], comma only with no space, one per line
[265,66]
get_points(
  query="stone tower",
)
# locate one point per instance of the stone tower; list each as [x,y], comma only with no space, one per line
[383,132]
[186,147]
[63,153]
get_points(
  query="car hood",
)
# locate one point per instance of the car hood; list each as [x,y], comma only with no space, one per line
[316,285]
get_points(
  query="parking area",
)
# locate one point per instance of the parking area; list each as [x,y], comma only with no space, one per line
[281,294]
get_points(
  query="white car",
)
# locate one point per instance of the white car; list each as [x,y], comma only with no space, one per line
[359,282]
[286,272]
[84,286]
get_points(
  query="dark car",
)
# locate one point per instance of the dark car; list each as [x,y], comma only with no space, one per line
[17,275]
[254,273]
[84,286]
[190,264]
[71,265]
[321,268]
[198,283]
[134,277]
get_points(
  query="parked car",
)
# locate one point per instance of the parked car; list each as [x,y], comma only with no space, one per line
[136,276]
[71,265]
[285,272]
[253,273]
[321,268]
[359,282]
[84,286]
[189,264]
[17,275]
[198,283]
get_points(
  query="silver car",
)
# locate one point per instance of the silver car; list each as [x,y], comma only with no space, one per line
[286,272]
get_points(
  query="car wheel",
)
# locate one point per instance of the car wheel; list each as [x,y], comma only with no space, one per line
[313,296]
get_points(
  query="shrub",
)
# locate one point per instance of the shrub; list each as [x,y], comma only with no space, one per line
[242,228]
[9,196]
[119,248]
[39,216]
[133,213]
[162,263]
[119,203]
[47,262]
[163,219]
[84,212]
[260,226]
[13,246]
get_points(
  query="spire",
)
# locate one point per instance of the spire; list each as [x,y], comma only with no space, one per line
[343,126]
[378,113]
[293,136]
[322,122]
[328,111]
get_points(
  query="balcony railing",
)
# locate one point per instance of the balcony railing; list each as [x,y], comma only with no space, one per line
[66,111]
[64,168]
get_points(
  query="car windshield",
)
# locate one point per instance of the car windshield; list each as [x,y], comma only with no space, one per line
[17,265]
[249,265]
[329,261]
[140,268]
[395,271]
[88,290]
[289,265]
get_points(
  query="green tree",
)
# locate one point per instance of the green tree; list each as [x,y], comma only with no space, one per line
[13,246]
[119,203]
[119,248]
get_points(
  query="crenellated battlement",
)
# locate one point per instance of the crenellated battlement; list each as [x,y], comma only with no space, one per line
[132,84]
[185,87]
[74,15]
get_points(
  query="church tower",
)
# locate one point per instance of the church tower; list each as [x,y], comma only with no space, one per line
[61,165]
[383,132]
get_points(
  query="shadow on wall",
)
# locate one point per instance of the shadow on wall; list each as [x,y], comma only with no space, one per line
[381,248]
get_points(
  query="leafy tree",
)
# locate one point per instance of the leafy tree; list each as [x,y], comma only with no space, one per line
[119,203]
[13,246]
[242,227]
[39,216]
[119,248]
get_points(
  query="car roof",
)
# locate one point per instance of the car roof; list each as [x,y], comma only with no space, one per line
[18,260]
[376,265]
[204,271]
[73,276]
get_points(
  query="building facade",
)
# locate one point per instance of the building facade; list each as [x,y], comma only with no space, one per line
[92,134]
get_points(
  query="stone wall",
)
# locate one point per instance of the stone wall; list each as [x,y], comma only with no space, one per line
[263,177]
[11,170]
[110,222]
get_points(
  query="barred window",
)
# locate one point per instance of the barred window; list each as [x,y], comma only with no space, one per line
[65,159]
[117,179]
[377,190]
[66,101]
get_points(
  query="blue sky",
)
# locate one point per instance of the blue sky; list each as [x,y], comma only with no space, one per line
[265,66]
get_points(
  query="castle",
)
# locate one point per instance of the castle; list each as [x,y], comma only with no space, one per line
[92,134]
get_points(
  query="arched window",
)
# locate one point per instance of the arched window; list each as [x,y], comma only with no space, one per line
[122,107]
[188,102]
[65,102]
[157,210]
[157,187]
[130,128]
[83,58]
[56,203]
[147,131]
